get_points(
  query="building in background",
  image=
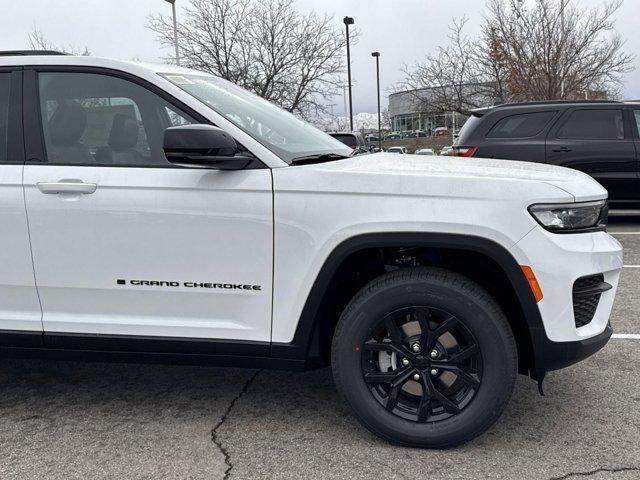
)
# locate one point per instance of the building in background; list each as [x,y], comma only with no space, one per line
[423,110]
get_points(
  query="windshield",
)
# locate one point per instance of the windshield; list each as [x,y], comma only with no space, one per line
[281,132]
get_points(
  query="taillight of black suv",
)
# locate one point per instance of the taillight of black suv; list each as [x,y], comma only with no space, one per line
[463,151]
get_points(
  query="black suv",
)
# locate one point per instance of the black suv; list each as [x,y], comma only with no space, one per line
[598,138]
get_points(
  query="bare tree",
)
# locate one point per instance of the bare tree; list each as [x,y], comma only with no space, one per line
[556,49]
[266,46]
[538,50]
[37,41]
[458,77]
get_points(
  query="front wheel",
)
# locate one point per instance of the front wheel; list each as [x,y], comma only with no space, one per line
[425,358]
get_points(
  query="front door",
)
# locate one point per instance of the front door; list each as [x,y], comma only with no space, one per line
[125,243]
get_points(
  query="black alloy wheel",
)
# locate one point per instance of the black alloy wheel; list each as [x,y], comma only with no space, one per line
[422,364]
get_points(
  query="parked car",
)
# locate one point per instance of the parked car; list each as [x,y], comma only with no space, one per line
[393,136]
[353,140]
[158,213]
[425,151]
[441,131]
[401,150]
[419,134]
[596,137]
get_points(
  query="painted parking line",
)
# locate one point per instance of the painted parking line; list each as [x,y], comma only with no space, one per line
[627,336]
[631,266]
[623,233]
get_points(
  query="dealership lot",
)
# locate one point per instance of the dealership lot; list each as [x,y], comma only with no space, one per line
[73,420]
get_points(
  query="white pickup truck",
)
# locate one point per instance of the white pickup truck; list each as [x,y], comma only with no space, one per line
[156,213]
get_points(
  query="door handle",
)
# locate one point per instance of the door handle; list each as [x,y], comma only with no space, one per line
[561,150]
[67,186]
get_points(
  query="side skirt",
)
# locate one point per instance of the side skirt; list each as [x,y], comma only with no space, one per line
[134,349]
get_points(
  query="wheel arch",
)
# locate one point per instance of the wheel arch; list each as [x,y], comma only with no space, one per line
[308,331]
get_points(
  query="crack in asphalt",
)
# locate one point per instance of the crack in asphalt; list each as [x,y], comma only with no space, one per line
[595,472]
[214,432]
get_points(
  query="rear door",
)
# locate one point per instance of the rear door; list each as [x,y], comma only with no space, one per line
[514,136]
[19,306]
[597,141]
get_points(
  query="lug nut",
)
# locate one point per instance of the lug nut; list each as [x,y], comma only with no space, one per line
[434,372]
[433,353]
[405,362]
[416,377]
[415,347]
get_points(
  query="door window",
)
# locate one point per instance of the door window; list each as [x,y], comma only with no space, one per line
[523,125]
[636,114]
[5,79]
[597,124]
[92,119]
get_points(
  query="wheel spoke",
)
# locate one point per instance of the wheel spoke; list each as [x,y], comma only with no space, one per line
[383,347]
[444,327]
[379,377]
[448,405]
[394,377]
[464,354]
[392,399]
[425,402]
[422,316]
[466,377]
[395,334]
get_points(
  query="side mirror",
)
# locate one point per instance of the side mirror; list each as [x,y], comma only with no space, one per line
[203,146]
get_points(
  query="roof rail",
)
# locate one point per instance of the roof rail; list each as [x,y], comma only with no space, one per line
[11,53]
[554,102]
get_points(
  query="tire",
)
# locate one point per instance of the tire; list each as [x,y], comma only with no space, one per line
[476,358]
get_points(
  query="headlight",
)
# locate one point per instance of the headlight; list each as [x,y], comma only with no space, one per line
[571,217]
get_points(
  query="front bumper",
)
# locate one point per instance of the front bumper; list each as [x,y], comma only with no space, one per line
[557,261]
[556,355]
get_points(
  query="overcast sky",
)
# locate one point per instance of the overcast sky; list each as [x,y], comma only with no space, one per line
[402,30]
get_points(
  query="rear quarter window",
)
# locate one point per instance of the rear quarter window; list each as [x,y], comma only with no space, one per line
[522,125]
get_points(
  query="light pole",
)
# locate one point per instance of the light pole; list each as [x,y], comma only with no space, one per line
[175,30]
[349,21]
[377,57]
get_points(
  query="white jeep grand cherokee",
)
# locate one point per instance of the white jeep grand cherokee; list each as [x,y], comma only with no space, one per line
[159,213]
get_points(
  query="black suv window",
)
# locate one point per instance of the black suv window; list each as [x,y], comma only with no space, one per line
[522,125]
[636,114]
[600,124]
[5,79]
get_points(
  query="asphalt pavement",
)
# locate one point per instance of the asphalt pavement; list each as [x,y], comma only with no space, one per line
[66,420]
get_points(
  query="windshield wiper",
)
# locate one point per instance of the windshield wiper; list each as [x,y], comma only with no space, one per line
[321,157]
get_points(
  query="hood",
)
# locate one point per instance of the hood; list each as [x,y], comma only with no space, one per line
[478,170]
